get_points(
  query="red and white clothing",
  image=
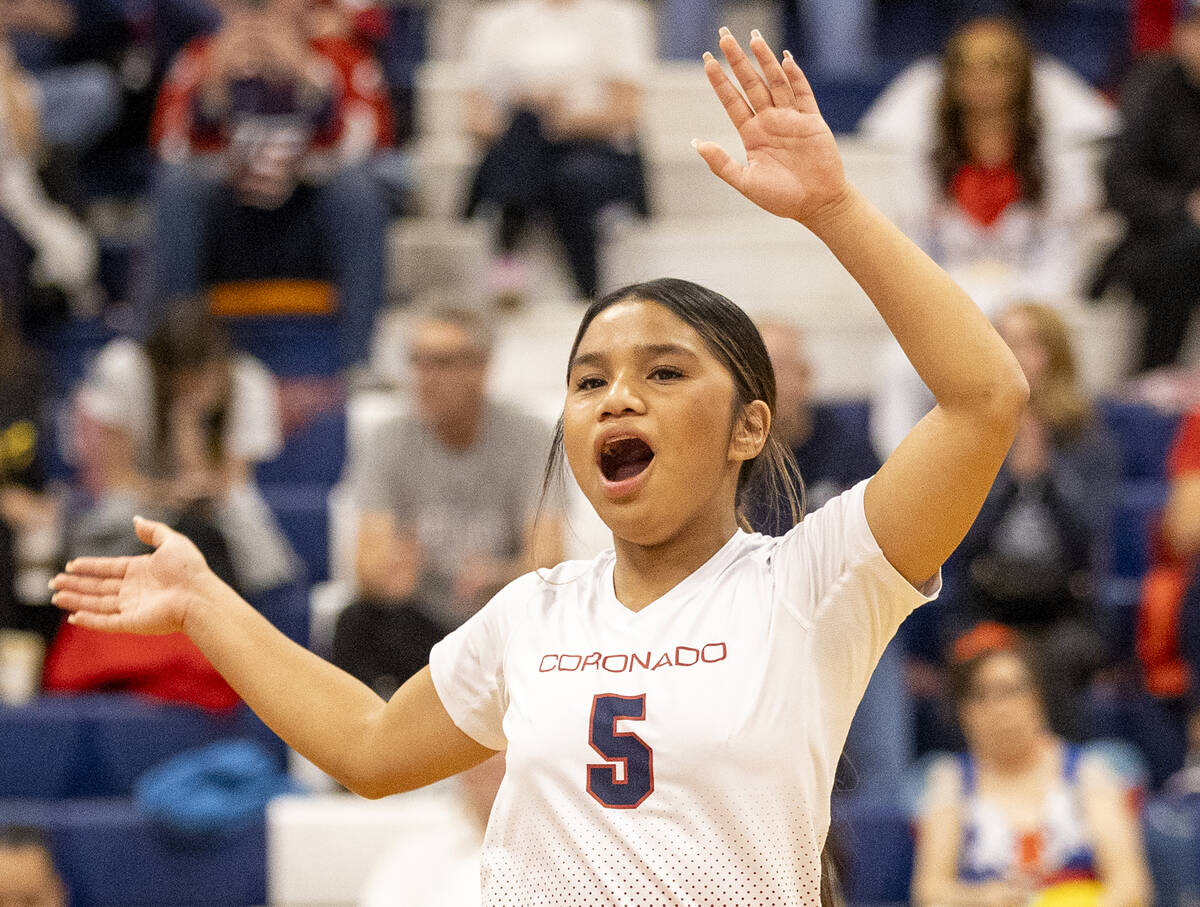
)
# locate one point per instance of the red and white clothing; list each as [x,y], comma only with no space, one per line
[683,754]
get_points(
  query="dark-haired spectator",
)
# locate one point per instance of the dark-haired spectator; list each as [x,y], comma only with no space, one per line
[28,876]
[1040,541]
[1153,181]
[266,188]
[174,427]
[997,196]
[1021,810]
[555,89]
[446,507]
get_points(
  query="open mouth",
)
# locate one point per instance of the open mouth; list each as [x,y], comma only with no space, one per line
[624,458]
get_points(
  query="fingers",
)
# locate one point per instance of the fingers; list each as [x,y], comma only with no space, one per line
[777,81]
[150,531]
[109,623]
[102,567]
[79,602]
[806,101]
[720,163]
[731,99]
[85,585]
[752,83]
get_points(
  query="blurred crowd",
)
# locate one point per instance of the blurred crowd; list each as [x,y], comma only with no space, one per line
[202,191]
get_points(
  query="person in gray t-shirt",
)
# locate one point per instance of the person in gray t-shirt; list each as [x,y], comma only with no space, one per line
[446,501]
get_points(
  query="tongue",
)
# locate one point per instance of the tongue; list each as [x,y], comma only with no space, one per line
[627,469]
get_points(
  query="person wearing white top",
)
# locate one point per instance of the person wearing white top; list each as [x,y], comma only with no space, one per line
[553,101]
[672,710]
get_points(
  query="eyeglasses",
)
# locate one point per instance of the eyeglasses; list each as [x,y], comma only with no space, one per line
[445,361]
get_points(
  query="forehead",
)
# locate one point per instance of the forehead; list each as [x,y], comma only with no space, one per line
[1001,667]
[431,333]
[24,865]
[633,323]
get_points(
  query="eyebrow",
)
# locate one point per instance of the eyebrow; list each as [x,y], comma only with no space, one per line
[642,350]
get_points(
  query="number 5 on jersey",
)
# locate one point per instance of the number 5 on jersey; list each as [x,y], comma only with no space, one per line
[619,747]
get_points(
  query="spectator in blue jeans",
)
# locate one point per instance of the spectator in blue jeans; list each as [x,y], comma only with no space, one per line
[255,209]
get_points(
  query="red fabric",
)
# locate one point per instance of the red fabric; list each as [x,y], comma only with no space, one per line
[984,192]
[358,85]
[1166,673]
[170,668]
[1152,24]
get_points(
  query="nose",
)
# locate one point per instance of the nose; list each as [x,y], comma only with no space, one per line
[621,399]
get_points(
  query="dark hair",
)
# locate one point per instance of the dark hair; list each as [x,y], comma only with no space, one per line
[14,836]
[732,337]
[950,151]
[189,337]
[961,674]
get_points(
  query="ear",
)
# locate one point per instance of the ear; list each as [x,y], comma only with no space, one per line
[750,431]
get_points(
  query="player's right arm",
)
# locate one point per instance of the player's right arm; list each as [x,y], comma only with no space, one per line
[372,747]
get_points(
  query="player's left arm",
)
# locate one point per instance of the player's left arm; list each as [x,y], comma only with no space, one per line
[925,497]
[1116,840]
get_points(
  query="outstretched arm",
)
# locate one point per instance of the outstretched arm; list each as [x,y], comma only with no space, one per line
[924,498]
[372,747]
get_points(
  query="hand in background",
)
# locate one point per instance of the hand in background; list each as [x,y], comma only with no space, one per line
[793,168]
[147,594]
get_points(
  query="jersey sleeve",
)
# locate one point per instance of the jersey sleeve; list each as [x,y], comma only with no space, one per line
[832,577]
[468,668]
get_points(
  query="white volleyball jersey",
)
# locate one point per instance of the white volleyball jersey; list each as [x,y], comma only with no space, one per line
[682,754]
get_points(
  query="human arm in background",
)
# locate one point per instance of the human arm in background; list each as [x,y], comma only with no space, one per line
[1116,838]
[939,842]
[940,474]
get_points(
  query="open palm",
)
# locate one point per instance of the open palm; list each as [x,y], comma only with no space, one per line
[147,593]
[792,167]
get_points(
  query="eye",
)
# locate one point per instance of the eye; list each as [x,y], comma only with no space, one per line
[666,373]
[589,383]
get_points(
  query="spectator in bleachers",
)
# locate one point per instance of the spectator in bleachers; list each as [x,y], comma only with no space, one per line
[47,258]
[1033,556]
[555,90]
[1153,181]
[831,458]
[28,876]
[1021,810]
[175,427]
[266,190]
[27,514]
[999,194]
[445,509]
[70,47]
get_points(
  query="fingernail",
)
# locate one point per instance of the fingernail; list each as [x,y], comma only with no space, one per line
[70,566]
[788,54]
[54,599]
[755,34]
[724,31]
[71,619]
[707,56]
[138,518]
[696,143]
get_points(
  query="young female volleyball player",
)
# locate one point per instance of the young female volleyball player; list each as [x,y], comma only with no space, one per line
[672,712]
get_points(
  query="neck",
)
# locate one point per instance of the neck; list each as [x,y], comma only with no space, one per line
[989,135]
[1019,760]
[795,428]
[645,573]
[458,434]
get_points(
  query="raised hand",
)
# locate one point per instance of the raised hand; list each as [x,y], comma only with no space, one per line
[792,167]
[147,593]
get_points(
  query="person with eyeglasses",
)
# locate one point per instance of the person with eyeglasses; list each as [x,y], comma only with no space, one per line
[445,500]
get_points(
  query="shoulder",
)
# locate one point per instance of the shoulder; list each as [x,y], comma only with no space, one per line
[251,375]
[550,588]
[944,785]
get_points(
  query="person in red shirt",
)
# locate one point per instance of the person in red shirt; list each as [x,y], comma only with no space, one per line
[266,132]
